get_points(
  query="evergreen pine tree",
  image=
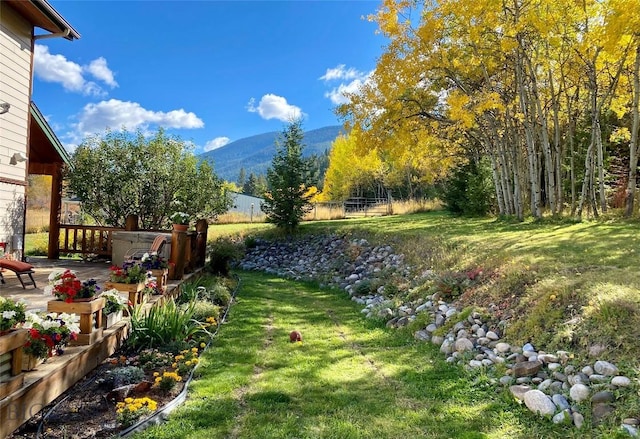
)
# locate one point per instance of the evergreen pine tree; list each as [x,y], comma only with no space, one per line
[286,202]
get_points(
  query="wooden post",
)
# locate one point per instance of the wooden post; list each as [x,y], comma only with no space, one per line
[202,228]
[53,252]
[131,224]
[178,246]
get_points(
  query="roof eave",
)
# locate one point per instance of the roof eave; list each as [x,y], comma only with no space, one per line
[55,142]
[58,19]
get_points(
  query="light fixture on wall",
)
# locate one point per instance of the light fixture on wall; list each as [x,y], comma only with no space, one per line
[4,107]
[18,157]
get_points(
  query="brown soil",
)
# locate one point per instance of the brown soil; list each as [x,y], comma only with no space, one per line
[85,411]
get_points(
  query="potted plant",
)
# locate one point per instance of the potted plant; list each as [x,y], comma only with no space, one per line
[129,278]
[76,297]
[66,286]
[113,308]
[158,267]
[180,221]
[48,334]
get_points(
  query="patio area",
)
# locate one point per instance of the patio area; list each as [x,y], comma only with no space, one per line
[50,379]
[35,297]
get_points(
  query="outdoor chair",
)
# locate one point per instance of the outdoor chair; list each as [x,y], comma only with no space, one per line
[156,247]
[20,269]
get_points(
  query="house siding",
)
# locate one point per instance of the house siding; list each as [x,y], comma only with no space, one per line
[15,82]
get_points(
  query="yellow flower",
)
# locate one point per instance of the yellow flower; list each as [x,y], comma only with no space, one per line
[128,400]
[188,363]
[195,361]
[174,365]
[194,350]
[155,374]
[203,345]
[158,379]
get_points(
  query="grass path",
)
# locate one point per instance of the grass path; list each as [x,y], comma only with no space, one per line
[347,379]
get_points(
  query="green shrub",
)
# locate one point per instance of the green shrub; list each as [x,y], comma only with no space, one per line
[204,309]
[222,252]
[123,376]
[469,189]
[191,293]
[363,288]
[219,294]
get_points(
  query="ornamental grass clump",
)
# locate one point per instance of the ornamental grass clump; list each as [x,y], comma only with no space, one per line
[132,409]
[164,325]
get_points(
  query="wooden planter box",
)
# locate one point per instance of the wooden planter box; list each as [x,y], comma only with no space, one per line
[11,377]
[161,276]
[29,362]
[109,320]
[90,318]
[134,291]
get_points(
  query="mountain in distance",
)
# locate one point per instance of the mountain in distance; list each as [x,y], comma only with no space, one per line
[255,153]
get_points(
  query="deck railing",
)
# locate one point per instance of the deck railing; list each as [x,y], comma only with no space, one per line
[75,238]
[190,254]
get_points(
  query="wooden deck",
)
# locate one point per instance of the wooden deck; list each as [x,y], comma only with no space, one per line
[57,374]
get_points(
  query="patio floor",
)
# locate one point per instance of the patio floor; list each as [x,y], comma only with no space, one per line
[35,298]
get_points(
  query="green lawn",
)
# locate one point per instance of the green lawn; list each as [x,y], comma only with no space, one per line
[348,378]
[568,285]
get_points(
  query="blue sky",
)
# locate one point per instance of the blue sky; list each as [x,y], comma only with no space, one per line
[209,71]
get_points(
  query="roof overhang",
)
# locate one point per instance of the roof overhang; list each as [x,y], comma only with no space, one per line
[41,14]
[45,149]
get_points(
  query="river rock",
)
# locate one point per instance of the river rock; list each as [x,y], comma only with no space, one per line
[539,403]
[605,368]
[527,368]
[621,381]
[579,392]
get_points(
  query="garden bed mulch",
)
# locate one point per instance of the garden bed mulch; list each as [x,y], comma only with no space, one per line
[88,409]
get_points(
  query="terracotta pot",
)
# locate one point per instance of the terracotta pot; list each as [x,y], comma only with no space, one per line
[180,227]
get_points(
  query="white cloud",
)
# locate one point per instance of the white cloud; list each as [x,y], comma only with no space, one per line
[216,143]
[116,114]
[351,81]
[341,72]
[274,107]
[56,68]
[98,68]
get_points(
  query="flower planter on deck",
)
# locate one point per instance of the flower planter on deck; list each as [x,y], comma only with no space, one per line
[111,319]
[90,317]
[134,290]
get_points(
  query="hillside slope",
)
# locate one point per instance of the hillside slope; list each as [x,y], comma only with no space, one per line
[255,153]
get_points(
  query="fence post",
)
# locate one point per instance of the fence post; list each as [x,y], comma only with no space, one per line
[201,243]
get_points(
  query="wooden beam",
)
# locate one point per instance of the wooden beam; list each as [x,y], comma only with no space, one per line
[53,251]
